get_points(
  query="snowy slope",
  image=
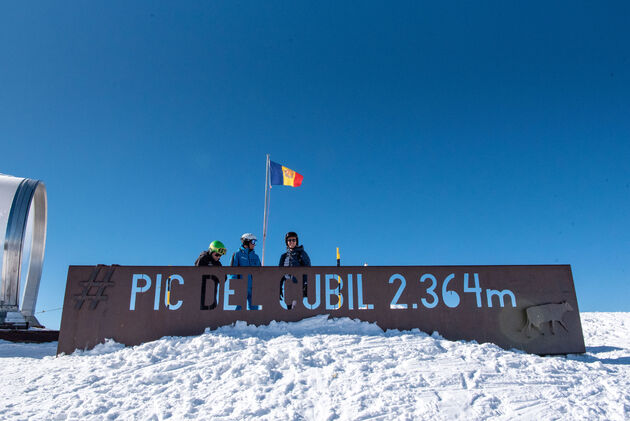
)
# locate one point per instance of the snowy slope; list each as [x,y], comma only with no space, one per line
[320,369]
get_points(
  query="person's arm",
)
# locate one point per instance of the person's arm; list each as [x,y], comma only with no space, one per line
[202,260]
[282,256]
[233,261]
[258,260]
[305,259]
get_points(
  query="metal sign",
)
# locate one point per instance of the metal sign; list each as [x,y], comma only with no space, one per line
[531,308]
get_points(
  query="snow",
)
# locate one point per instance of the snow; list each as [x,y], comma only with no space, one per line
[320,369]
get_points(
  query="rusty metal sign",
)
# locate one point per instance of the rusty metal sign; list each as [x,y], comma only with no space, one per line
[531,308]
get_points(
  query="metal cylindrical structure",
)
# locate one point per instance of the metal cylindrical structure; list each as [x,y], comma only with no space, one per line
[18,197]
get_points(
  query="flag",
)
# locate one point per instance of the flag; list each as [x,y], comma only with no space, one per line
[279,174]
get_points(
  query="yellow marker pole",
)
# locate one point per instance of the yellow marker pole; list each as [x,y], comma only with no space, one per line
[168,293]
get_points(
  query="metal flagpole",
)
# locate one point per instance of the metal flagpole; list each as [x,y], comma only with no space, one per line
[266,209]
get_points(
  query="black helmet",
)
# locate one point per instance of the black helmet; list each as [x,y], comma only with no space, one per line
[289,235]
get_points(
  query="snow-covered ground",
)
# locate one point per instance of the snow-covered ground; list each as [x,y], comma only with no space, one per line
[320,369]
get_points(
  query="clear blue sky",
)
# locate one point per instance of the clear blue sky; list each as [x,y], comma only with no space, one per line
[427,133]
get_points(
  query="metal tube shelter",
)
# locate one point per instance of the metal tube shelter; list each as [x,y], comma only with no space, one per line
[18,197]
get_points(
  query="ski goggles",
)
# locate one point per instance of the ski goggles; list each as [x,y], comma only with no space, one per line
[220,251]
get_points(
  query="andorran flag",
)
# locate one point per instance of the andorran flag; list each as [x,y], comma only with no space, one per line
[284,176]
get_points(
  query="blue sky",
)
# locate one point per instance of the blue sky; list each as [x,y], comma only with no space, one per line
[427,133]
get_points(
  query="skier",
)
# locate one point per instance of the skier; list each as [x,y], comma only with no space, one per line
[295,255]
[246,256]
[211,256]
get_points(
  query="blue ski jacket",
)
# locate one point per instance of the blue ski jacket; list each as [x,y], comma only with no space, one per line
[245,257]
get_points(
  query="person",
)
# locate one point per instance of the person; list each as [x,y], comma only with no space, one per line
[211,256]
[295,255]
[246,256]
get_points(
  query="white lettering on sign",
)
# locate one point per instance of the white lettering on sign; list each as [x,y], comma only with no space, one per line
[360,294]
[141,283]
[167,296]
[450,297]
[336,291]
[227,292]
[500,294]
[135,289]
[158,290]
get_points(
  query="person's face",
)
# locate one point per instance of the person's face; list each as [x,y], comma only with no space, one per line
[216,256]
[252,244]
[291,242]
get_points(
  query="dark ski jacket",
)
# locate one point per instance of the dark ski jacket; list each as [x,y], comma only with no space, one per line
[245,257]
[295,257]
[205,259]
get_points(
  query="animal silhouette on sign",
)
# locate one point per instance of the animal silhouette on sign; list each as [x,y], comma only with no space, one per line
[537,315]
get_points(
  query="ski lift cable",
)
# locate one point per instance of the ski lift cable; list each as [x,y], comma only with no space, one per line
[48,311]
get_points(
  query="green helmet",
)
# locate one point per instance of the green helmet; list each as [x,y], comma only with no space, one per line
[217,247]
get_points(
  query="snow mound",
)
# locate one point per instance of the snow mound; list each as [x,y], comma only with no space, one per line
[320,368]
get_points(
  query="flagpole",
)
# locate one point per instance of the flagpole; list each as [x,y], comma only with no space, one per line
[267,193]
